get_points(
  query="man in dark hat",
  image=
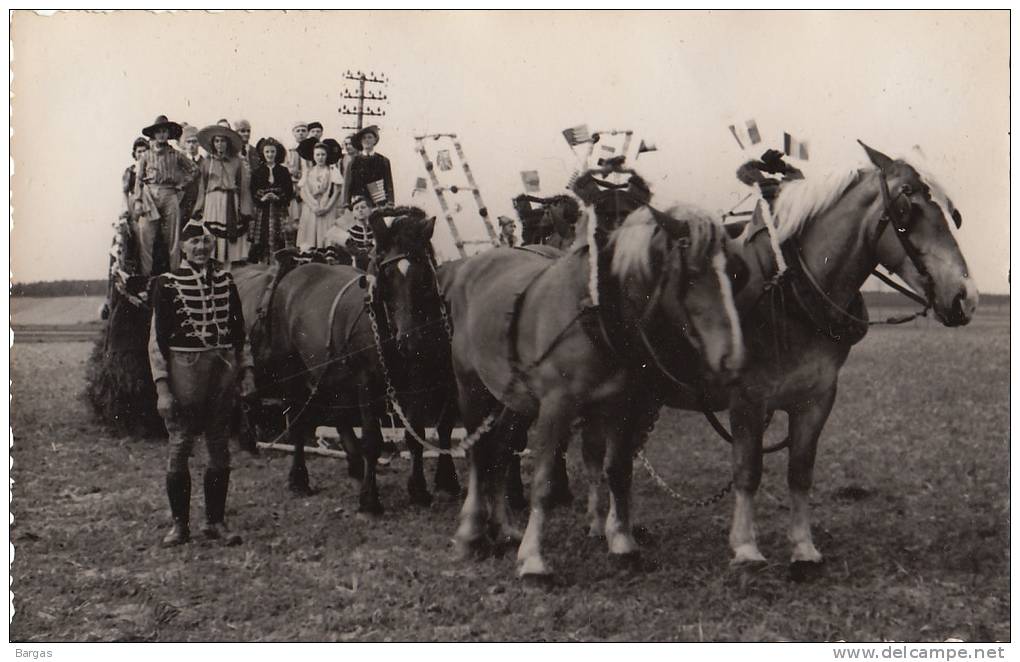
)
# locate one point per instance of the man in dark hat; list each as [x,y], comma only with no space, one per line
[753,172]
[315,130]
[163,174]
[369,174]
[197,349]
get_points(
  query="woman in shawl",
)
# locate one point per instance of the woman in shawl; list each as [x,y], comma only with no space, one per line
[224,203]
[319,197]
[272,191]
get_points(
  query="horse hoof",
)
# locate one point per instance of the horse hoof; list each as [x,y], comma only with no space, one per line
[302,490]
[805,571]
[534,569]
[476,549]
[420,497]
[628,561]
[370,507]
[747,555]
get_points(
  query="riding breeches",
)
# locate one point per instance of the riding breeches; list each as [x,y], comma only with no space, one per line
[204,386]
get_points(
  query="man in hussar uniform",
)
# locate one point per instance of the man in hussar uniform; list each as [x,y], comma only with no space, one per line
[197,350]
[163,174]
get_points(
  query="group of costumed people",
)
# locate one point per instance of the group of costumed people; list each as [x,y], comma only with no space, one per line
[255,200]
[175,360]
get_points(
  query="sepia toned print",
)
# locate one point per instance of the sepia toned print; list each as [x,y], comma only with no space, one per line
[379,326]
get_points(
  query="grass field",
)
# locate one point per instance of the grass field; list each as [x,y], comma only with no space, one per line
[911,509]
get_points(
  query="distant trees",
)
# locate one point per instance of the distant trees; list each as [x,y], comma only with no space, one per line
[60,288]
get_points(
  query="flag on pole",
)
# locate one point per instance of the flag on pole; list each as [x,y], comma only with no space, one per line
[577,135]
[646,146]
[377,190]
[746,134]
[443,160]
[531,181]
[606,151]
[798,149]
[420,186]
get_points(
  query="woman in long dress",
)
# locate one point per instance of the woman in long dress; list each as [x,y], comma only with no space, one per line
[320,196]
[224,202]
[272,191]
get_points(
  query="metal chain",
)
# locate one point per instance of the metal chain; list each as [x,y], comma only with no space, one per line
[661,482]
[391,391]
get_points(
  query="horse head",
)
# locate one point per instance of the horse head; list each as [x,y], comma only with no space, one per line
[915,242]
[680,261]
[405,279]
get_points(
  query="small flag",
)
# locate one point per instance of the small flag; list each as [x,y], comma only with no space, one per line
[531,181]
[443,160]
[646,146]
[746,134]
[606,151]
[798,149]
[420,186]
[377,190]
[577,135]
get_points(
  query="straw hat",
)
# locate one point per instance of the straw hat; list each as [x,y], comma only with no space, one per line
[206,135]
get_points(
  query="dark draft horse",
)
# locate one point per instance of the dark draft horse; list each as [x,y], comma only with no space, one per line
[834,231]
[528,347]
[331,341]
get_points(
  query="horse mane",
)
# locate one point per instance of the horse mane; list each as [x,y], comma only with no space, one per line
[802,200]
[634,242]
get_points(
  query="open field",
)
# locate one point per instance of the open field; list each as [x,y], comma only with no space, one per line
[911,503]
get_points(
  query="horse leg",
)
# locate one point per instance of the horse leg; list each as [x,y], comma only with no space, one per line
[747,420]
[514,485]
[371,448]
[417,488]
[561,494]
[446,472]
[806,424]
[623,428]
[355,460]
[474,406]
[555,416]
[300,430]
[593,451]
[502,530]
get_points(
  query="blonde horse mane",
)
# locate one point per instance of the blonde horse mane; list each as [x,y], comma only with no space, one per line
[633,241]
[801,200]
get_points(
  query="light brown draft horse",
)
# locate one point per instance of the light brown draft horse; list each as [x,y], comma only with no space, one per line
[834,232]
[528,347]
[320,351]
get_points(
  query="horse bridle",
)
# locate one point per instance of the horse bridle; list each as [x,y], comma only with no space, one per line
[898,216]
[372,297]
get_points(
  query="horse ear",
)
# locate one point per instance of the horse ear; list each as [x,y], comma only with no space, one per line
[379,229]
[428,227]
[880,160]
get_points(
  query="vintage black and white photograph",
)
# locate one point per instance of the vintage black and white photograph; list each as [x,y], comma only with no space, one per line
[511,326]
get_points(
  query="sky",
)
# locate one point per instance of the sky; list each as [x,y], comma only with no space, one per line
[507,83]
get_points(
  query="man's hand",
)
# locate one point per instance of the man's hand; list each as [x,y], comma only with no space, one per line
[248,384]
[164,399]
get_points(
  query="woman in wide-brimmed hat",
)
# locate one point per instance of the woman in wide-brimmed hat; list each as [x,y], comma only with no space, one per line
[272,192]
[224,202]
[173,129]
[369,174]
[319,195]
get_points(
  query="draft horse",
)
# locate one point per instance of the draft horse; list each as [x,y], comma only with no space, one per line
[800,328]
[335,343]
[528,347]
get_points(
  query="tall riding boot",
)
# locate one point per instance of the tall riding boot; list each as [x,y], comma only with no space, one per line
[217,482]
[178,491]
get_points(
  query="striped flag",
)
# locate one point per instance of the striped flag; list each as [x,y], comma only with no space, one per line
[646,146]
[420,186]
[377,190]
[606,151]
[746,134]
[577,135]
[798,149]
[531,181]
[443,160]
